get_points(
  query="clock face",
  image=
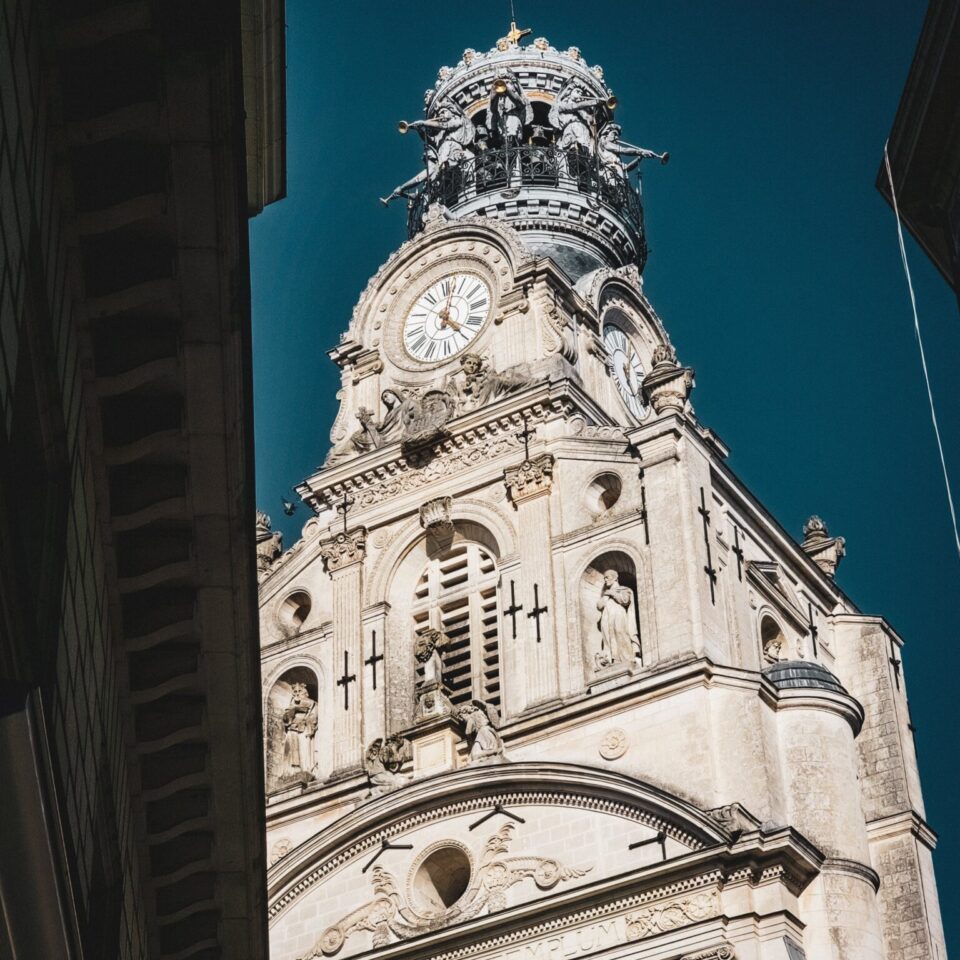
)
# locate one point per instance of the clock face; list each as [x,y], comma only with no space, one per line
[627,369]
[446,317]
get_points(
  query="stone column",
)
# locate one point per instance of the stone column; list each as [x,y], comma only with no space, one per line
[343,555]
[817,729]
[529,486]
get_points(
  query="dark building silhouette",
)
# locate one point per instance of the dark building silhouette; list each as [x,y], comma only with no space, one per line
[135,140]
[924,143]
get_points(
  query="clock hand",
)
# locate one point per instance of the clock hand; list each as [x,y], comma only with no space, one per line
[447,321]
[445,312]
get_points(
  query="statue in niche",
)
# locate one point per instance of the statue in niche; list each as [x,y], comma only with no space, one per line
[481,384]
[611,150]
[573,114]
[383,761]
[432,699]
[618,639]
[480,721]
[299,728]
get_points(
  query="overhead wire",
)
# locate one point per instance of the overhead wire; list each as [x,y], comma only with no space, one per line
[923,357]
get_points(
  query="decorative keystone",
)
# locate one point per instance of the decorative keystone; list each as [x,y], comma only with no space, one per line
[825,551]
[435,514]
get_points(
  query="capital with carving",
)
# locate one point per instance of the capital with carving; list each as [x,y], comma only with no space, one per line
[344,549]
[724,952]
[825,551]
[435,514]
[667,386]
[532,478]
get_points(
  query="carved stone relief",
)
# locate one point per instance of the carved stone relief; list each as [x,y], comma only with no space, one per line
[532,477]
[672,914]
[269,545]
[435,514]
[344,549]
[393,915]
[480,721]
[383,762]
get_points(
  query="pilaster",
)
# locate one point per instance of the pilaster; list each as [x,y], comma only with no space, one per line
[343,556]
[529,486]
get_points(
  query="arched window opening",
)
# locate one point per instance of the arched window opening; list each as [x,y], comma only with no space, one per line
[457,593]
[602,493]
[772,640]
[609,616]
[293,612]
[290,729]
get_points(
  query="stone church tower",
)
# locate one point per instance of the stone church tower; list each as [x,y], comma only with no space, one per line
[542,679]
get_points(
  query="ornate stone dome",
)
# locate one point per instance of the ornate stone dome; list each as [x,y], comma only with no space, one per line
[800,674]
[525,134]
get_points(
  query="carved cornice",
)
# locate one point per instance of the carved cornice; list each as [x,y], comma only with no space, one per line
[531,478]
[474,438]
[345,549]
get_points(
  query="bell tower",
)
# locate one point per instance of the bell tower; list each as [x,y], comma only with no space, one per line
[542,678]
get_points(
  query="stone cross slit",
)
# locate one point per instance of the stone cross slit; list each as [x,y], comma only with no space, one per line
[346,679]
[385,845]
[525,434]
[709,568]
[513,609]
[643,510]
[343,508]
[738,553]
[660,838]
[537,609]
[374,657]
[813,628]
[497,808]
[895,663]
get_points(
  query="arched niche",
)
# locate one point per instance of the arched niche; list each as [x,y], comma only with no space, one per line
[431,587]
[291,722]
[610,614]
[773,640]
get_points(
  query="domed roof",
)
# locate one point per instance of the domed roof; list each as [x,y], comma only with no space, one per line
[802,674]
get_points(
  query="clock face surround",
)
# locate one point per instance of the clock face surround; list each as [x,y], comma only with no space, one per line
[446,317]
[628,370]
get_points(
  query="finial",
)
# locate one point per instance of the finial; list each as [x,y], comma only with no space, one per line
[515,35]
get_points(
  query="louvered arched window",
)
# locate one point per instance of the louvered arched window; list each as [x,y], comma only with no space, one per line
[457,593]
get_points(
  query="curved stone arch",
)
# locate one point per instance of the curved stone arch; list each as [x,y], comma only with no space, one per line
[288,664]
[489,233]
[646,608]
[462,791]
[767,612]
[407,538]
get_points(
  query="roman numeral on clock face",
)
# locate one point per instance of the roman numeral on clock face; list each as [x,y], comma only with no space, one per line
[446,317]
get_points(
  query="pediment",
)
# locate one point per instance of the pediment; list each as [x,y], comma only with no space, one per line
[441,852]
[768,577]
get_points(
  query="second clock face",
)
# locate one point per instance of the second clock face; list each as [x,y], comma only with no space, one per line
[627,369]
[446,317]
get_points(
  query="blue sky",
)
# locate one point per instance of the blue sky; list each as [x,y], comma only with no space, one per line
[773,264]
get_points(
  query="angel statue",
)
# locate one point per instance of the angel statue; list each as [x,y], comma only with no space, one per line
[611,150]
[510,108]
[573,114]
[619,642]
[449,134]
[480,721]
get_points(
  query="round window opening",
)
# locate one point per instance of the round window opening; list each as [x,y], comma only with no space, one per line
[293,612]
[442,879]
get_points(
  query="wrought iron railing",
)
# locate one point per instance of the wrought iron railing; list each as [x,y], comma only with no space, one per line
[549,166]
